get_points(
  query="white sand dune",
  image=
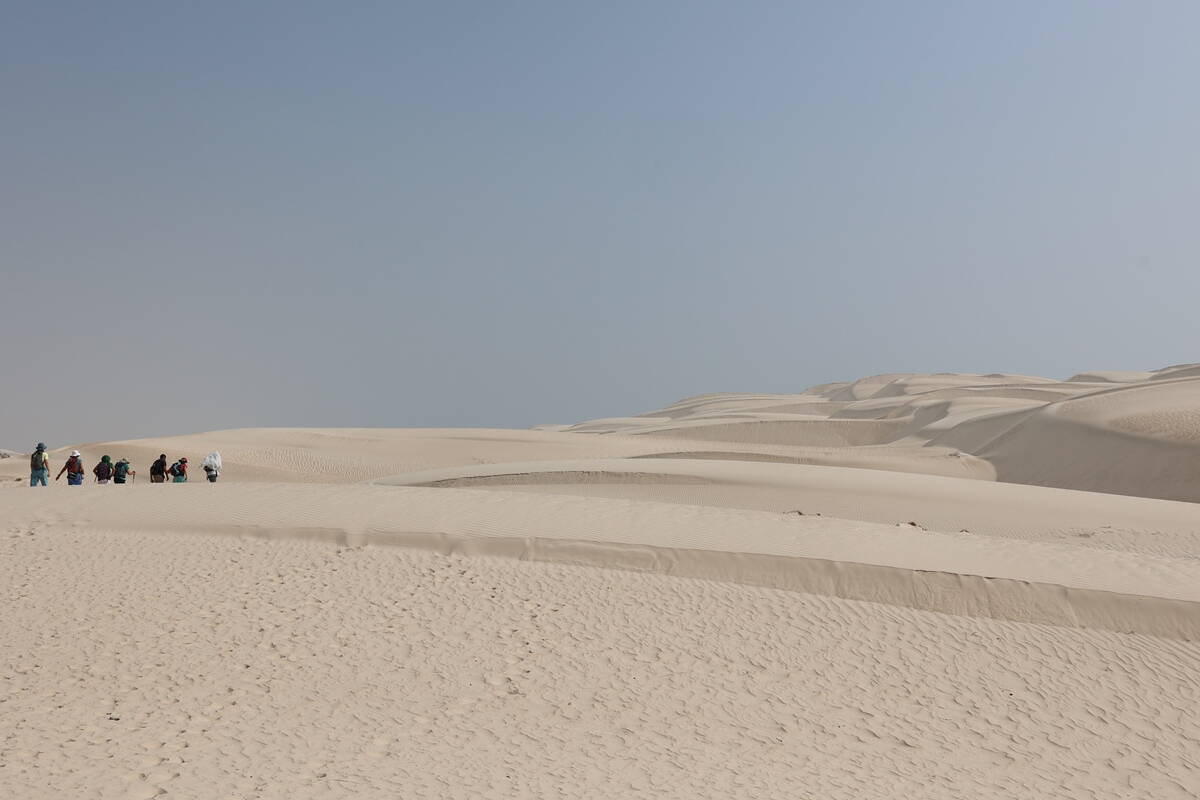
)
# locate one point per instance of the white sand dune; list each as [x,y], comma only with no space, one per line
[905,586]
[1139,439]
[1112,376]
[219,667]
[934,503]
[1135,433]
[988,576]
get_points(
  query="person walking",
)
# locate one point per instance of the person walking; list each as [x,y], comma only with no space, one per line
[73,468]
[121,471]
[104,470]
[212,466]
[158,470]
[179,471]
[39,466]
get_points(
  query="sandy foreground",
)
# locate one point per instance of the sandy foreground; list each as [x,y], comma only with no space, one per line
[892,588]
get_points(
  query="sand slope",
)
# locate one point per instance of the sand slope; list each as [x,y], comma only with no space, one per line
[1134,433]
[936,503]
[917,586]
[264,669]
[987,576]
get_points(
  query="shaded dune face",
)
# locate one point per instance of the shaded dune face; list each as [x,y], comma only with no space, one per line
[1139,439]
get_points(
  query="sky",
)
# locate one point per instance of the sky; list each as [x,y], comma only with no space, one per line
[240,214]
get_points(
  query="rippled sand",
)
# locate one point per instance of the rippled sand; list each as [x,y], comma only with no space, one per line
[248,668]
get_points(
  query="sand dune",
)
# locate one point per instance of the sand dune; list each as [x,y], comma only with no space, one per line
[989,576]
[1135,433]
[247,668]
[929,586]
[936,503]
[1111,376]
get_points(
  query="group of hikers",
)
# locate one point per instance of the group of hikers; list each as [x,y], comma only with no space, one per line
[109,471]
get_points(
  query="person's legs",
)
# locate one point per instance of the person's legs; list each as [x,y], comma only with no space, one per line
[75,479]
[38,477]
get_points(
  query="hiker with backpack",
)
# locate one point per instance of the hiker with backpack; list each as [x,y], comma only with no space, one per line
[74,470]
[122,471]
[158,470]
[104,470]
[39,466]
[179,471]
[212,466]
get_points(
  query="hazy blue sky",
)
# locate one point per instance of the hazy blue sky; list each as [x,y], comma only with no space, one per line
[231,214]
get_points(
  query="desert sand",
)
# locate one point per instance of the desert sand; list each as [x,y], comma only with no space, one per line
[907,586]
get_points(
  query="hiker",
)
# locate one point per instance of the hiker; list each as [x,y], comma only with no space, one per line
[212,466]
[104,470]
[158,470]
[74,470]
[122,471]
[179,471]
[39,466]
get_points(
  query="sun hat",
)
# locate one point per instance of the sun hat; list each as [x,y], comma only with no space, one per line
[74,454]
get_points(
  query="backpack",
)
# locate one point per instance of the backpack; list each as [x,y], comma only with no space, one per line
[159,467]
[38,460]
[104,470]
[74,465]
[121,470]
[176,470]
